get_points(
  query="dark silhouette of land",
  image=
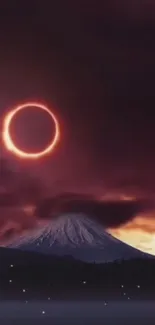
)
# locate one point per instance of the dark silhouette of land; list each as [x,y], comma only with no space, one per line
[41,276]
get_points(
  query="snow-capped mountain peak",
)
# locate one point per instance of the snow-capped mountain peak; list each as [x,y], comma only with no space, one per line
[76,235]
[67,230]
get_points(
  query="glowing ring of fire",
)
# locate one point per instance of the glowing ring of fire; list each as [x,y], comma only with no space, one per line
[9,142]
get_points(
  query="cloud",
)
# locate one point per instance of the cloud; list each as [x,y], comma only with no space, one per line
[23,205]
[19,193]
[14,221]
[108,213]
[115,215]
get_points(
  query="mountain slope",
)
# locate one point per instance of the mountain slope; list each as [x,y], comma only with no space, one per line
[78,236]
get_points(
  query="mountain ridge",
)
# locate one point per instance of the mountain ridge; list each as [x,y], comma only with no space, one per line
[76,235]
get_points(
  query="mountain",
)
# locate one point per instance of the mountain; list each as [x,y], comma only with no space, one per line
[77,236]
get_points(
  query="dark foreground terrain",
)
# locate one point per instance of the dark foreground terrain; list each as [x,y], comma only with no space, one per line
[38,289]
[29,276]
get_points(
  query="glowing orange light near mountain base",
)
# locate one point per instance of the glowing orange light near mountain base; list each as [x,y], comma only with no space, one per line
[7,139]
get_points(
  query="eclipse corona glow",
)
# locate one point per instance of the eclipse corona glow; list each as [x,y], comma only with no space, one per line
[11,146]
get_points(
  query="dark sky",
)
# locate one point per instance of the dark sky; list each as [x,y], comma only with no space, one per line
[94,64]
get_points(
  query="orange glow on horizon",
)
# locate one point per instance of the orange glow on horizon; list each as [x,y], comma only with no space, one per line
[8,142]
[139,233]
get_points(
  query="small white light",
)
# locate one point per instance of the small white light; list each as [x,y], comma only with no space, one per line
[84,282]
[49,298]
[122,286]
[124,294]
[105,304]
[43,312]
[128,298]
[24,290]
[10,281]
[11,265]
[26,301]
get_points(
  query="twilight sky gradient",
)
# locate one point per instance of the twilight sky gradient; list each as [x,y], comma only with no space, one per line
[93,63]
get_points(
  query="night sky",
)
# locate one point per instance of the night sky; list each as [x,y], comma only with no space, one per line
[93,63]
